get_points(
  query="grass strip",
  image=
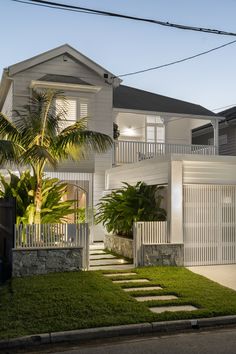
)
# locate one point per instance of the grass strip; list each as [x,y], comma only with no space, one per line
[67,301]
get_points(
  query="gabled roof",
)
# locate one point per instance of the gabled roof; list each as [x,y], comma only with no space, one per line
[63,49]
[126,97]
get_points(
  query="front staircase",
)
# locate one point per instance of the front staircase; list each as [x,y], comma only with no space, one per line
[99,259]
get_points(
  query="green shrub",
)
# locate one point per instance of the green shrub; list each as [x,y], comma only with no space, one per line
[23,188]
[120,209]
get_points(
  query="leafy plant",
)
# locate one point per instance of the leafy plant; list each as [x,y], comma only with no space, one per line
[35,138]
[120,209]
[23,188]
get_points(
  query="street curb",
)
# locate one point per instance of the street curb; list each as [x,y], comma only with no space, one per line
[117,331]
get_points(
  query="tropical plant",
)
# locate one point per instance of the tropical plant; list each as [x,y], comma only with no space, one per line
[120,209]
[23,188]
[36,137]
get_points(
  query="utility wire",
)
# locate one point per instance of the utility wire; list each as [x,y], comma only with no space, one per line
[51,4]
[176,61]
[62,6]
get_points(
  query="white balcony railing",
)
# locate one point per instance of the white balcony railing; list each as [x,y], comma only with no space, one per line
[134,151]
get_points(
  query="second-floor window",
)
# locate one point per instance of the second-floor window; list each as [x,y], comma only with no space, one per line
[155,130]
[75,109]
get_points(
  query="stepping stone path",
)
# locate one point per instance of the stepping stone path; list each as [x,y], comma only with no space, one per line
[155,297]
[101,260]
[118,274]
[173,308]
[130,281]
[149,297]
[143,288]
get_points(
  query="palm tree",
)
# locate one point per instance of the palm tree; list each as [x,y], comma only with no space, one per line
[35,138]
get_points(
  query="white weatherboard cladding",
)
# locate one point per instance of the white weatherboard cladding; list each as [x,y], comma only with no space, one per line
[7,106]
[179,131]
[209,172]
[150,171]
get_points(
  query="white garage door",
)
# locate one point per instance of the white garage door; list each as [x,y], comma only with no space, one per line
[209,224]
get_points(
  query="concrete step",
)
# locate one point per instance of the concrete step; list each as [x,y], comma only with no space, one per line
[101,256]
[91,252]
[97,246]
[113,267]
[99,262]
[119,274]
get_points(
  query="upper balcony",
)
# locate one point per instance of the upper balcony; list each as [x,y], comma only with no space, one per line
[134,151]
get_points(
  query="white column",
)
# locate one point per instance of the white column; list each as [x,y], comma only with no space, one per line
[215,124]
[175,202]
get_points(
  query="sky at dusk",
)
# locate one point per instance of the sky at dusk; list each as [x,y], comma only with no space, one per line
[123,46]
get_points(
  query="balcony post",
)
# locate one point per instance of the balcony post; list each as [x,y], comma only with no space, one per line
[175,202]
[215,125]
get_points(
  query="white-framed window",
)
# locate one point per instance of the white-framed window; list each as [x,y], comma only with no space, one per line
[75,108]
[155,129]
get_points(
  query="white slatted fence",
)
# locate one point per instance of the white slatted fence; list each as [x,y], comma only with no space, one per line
[209,224]
[39,236]
[149,233]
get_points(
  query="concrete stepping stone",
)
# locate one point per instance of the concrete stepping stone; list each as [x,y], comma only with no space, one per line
[97,262]
[145,288]
[101,256]
[155,297]
[173,308]
[119,274]
[130,281]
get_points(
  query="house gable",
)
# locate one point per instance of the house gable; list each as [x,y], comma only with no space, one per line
[66,50]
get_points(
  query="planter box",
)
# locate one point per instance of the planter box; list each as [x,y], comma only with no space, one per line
[120,245]
[163,255]
[28,262]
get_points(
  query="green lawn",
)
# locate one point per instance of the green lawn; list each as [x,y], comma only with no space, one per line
[66,301]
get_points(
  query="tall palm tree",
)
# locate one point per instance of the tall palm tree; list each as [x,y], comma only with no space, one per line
[36,137]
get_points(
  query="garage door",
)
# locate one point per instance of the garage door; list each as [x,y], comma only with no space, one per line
[209,224]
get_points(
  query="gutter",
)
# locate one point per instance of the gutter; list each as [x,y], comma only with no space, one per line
[85,335]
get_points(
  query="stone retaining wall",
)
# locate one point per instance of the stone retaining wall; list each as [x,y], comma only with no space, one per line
[163,254]
[42,261]
[120,245]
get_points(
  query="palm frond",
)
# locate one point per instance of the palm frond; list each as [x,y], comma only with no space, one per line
[9,152]
[38,154]
[7,128]
[76,139]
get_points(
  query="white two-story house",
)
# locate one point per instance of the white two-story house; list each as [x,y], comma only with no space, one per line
[154,146]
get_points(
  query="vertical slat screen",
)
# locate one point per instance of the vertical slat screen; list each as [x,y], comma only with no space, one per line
[209,224]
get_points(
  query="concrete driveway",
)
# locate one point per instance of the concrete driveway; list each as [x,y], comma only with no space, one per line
[222,274]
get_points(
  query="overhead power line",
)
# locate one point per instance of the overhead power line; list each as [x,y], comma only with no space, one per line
[177,61]
[66,7]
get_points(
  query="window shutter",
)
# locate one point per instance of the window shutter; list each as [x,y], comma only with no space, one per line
[83,110]
[71,112]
